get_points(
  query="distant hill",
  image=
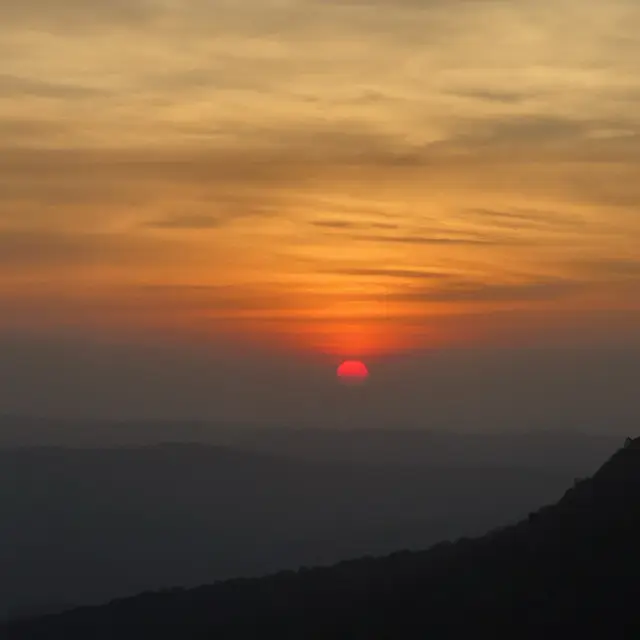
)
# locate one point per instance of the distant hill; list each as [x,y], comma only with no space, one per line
[569,569]
[566,448]
[84,526]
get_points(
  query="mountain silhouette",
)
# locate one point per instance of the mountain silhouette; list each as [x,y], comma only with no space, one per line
[85,526]
[571,568]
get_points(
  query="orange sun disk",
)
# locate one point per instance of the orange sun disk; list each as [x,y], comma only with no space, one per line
[353,369]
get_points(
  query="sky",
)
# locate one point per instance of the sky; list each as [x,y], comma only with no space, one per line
[274,184]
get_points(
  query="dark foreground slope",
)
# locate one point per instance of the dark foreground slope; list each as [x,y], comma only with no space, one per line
[86,526]
[572,568]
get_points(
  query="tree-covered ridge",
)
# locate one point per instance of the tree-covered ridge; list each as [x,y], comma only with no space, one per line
[569,568]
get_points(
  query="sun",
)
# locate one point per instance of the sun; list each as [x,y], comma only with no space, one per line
[352,372]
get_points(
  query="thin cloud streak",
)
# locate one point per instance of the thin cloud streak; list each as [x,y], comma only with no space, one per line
[411,274]
[431,240]
[188,222]
[345,224]
[486,292]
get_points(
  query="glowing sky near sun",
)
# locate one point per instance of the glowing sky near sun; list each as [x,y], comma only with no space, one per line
[351,177]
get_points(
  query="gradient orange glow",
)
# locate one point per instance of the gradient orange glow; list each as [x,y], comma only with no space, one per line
[392,185]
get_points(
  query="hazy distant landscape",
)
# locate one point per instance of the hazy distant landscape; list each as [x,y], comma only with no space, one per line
[569,565]
[84,524]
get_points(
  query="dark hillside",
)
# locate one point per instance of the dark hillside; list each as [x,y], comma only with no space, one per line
[571,568]
[84,526]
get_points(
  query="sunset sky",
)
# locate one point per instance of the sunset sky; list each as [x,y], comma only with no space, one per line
[353,178]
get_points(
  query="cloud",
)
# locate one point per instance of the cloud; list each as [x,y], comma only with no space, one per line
[333,224]
[186,222]
[525,218]
[403,274]
[346,224]
[28,131]
[487,292]
[225,208]
[51,249]
[15,86]
[533,128]
[491,95]
[433,240]
[609,268]
[134,190]
[71,14]
[516,132]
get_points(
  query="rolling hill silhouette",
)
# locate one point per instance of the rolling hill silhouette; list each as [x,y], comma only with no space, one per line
[84,526]
[571,568]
